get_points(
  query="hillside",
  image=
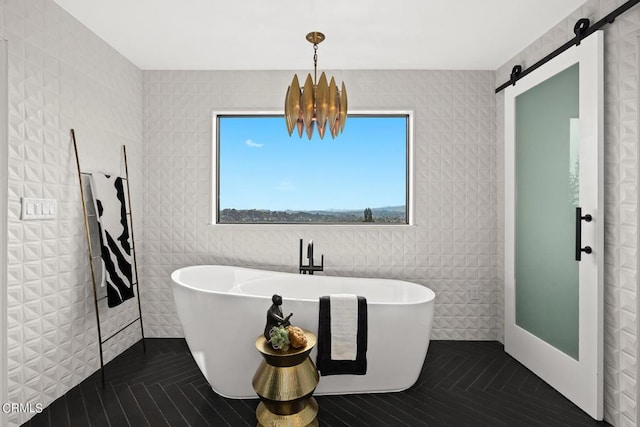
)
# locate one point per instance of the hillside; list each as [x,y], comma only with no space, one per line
[389,215]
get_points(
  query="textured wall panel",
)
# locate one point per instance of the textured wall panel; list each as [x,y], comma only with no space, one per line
[60,76]
[621,195]
[451,248]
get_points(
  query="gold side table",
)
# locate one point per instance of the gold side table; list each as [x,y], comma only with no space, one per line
[285,381]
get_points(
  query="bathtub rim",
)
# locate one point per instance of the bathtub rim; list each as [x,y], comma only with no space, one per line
[176,273]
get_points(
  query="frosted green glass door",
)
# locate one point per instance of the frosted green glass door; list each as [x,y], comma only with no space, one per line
[547,194]
[554,224]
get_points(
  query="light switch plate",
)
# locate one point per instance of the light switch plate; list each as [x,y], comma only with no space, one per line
[33,208]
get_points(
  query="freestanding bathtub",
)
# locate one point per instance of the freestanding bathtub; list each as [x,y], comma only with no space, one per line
[223,310]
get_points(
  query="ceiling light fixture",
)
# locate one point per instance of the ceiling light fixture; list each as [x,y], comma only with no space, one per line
[316,102]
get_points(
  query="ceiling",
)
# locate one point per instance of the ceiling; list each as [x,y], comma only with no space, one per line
[360,34]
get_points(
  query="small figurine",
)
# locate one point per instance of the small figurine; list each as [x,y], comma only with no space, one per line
[275,317]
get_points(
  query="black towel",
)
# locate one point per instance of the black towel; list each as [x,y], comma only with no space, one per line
[324,363]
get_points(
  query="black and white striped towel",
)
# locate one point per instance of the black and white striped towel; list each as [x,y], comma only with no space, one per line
[111,208]
[326,361]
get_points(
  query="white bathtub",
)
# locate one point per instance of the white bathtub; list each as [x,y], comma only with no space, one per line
[223,310]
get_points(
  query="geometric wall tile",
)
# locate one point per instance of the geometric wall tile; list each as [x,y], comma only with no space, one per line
[448,157]
[53,343]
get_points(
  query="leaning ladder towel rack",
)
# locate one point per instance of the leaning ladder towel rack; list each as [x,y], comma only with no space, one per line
[91,258]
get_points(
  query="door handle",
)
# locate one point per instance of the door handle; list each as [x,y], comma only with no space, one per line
[579,219]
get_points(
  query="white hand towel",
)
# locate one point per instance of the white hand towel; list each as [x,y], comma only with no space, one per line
[344,326]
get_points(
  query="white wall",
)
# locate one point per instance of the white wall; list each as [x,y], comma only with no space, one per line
[621,194]
[61,76]
[451,248]
[3,226]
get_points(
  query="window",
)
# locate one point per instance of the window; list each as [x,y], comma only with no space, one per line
[264,176]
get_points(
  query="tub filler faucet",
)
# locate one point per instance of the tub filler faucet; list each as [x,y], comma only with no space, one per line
[310,267]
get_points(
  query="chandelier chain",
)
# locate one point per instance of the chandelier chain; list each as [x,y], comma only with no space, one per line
[315,63]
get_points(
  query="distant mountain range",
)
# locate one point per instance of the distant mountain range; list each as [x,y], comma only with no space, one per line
[387,214]
[385,211]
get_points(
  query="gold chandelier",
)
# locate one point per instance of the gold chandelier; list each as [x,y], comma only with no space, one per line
[316,102]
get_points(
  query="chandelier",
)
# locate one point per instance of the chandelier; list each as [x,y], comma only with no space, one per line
[316,102]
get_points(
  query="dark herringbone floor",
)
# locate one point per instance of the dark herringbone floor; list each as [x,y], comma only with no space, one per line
[463,383]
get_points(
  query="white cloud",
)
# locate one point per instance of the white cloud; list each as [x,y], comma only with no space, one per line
[286,186]
[250,143]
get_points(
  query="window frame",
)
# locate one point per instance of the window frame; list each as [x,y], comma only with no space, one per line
[214,185]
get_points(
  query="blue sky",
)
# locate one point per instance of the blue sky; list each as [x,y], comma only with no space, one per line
[262,167]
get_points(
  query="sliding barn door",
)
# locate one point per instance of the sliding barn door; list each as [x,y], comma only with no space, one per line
[554,223]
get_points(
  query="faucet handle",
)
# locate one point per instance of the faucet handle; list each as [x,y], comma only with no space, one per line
[310,249]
